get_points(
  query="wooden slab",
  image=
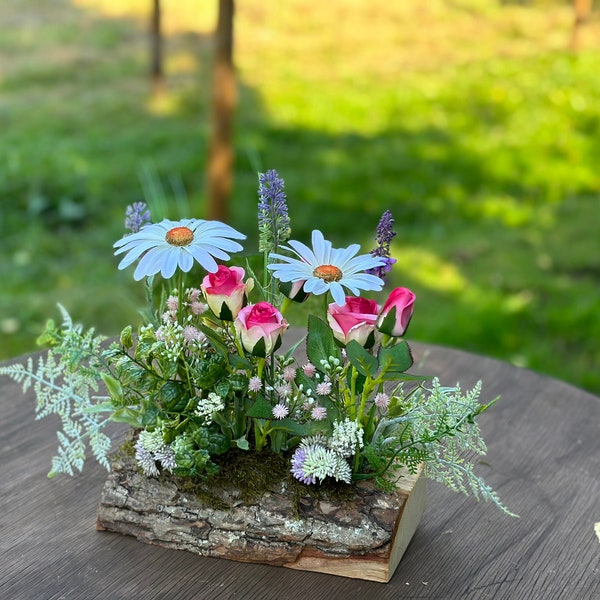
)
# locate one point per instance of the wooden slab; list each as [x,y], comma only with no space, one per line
[364,538]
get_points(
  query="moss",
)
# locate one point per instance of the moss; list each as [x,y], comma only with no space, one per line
[247,476]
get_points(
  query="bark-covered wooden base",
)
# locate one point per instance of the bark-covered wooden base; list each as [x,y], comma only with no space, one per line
[364,538]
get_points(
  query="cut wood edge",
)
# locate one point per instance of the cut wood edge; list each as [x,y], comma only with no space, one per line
[370,567]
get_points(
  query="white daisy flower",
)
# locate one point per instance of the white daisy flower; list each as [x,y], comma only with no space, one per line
[168,245]
[326,269]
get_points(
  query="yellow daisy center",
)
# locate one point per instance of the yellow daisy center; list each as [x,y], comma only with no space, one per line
[328,273]
[180,236]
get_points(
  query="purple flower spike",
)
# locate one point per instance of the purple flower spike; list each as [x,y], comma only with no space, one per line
[385,235]
[136,216]
[273,218]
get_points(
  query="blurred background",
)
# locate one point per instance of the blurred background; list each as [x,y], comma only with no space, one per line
[476,122]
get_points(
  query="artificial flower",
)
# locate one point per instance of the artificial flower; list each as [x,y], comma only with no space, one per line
[327,269]
[385,235]
[259,327]
[396,312]
[225,292]
[273,218]
[166,246]
[355,320]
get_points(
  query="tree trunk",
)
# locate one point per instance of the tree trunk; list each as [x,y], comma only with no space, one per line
[221,155]
[156,49]
[582,9]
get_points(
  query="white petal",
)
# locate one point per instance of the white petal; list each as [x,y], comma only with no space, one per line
[134,253]
[304,252]
[203,257]
[316,286]
[337,291]
[150,264]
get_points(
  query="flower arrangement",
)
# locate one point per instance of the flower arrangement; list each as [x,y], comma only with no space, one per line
[204,376]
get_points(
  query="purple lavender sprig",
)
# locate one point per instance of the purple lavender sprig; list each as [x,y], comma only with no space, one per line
[136,216]
[273,218]
[385,235]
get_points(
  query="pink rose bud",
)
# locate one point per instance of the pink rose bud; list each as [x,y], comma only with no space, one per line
[294,290]
[396,313]
[225,292]
[355,320]
[259,327]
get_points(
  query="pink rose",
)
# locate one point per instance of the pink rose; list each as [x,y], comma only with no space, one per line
[355,320]
[225,292]
[396,313]
[259,327]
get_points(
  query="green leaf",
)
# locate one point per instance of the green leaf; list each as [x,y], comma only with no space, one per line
[114,388]
[320,344]
[217,443]
[261,409]
[238,362]
[242,443]
[174,396]
[222,388]
[97,408]
[396,359]
[260,348]
[126,337]
[288,424]
[127,415]
[362,360]
[214,339]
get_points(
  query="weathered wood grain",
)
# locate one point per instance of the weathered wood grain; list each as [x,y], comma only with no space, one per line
[543,459]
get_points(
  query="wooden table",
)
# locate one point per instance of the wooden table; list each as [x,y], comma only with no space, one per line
[544,461]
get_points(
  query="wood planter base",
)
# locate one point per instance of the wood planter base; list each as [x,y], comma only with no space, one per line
[364,538]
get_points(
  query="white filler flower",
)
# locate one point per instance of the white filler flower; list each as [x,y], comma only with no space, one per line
[166,246]
[326,269]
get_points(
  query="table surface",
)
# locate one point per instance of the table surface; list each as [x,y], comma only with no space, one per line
[543,459]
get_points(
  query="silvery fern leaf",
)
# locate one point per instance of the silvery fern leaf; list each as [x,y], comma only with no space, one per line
[65,381]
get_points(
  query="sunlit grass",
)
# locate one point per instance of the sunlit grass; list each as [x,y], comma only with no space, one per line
[468,119]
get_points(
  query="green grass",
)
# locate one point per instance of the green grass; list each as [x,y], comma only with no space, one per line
[469,120]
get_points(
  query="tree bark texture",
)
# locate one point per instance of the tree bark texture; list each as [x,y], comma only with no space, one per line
[363,538]
[224,98]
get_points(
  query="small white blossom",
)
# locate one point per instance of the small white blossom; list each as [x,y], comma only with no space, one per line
[255,384]
[318,413]
[346,437]
[284,390]
[280,411]
[324,389]
[289,373]
[382,400]
[207,406]
[172,303]
[309,369]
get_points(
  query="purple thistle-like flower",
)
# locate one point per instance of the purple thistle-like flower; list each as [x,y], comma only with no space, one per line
[297,469]
[136,216]
[273,218]
[384,237]
[145,460]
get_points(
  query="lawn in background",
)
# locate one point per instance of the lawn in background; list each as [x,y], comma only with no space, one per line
[469,120]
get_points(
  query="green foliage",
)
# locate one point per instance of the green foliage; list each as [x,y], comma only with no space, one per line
[65,382]
[437,430]
[320,345]
[484,147]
